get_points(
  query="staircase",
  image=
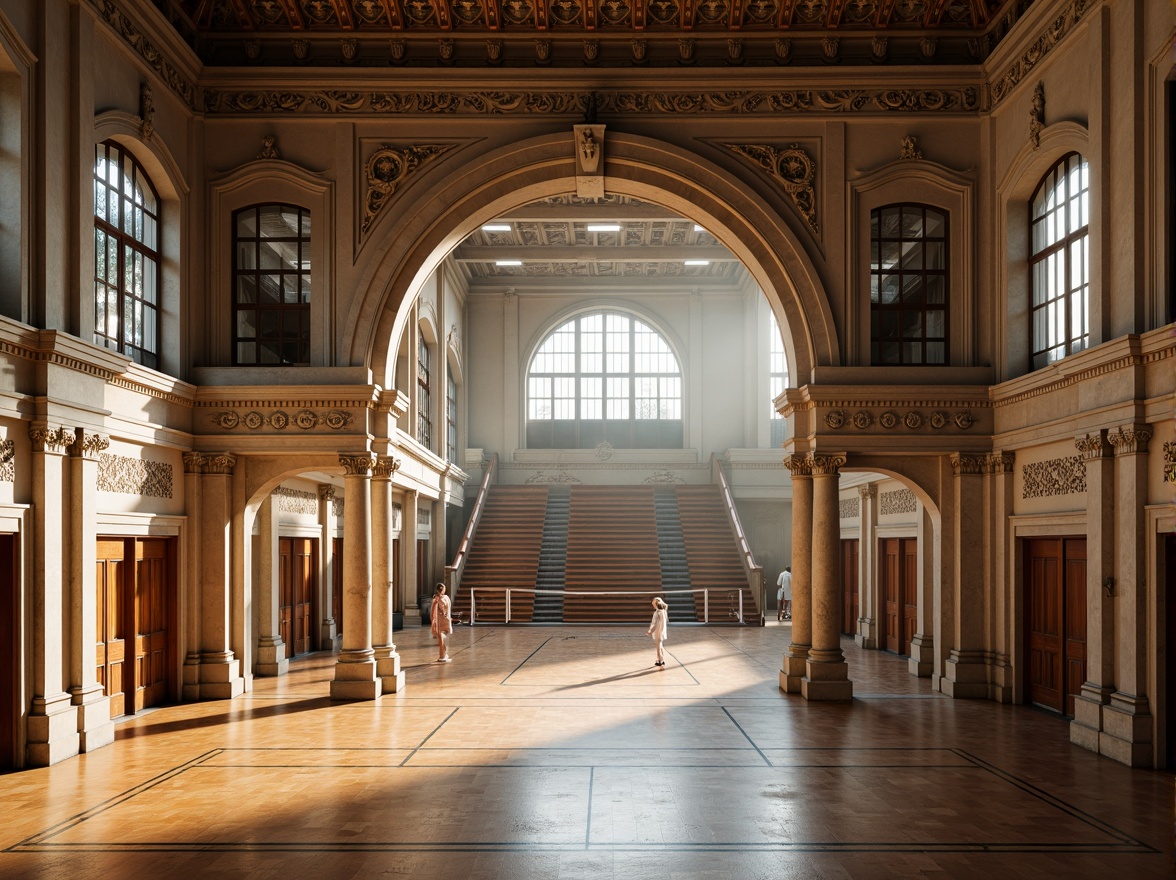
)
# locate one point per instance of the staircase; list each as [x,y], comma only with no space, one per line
[553,552]
[715,563]
[671,547]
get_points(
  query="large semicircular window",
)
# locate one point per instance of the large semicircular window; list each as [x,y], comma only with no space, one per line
[604,377]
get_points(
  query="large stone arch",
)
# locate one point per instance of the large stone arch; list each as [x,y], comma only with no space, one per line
[477,190]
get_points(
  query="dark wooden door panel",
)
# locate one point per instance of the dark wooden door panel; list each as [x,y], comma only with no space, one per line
[286,592]
[10,639]
[910,592]
[850,587]
[111,646]
[1074,620]
[151,621]
[1055,623]
[890,595]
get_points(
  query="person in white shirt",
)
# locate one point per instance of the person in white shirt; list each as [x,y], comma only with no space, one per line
[657,628]
[784,595]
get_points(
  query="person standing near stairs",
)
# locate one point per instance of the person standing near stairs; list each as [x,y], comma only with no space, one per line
[784,595]
[441,622]
[658,626]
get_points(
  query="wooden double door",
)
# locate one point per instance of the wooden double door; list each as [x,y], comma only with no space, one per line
[297,591]
[136,603]
[1055,621]
[899,570]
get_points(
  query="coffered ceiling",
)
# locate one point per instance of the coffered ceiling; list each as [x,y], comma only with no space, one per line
[591,32]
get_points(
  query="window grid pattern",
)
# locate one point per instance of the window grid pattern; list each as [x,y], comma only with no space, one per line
[271,285]
[777,379]
[604,376]
[1059,263]
[126,256]
[908,285]
[450,418]
[424,395]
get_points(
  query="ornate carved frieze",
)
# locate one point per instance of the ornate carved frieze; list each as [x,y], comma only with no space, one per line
[387,169]
[1169,462]
[1037,115]
[296,501]
[792,168]
[357,465]
[280,420]
[826,465]
[897,502]
[1130,440]
[1035,54]
[849,508]
[1057,476]
[147,50]
[912,420]
[493,103]
[544,477]
[663,477]
[51,438]
[385,467]
[337,507]
[968,464]
[123,475]
[146,111]
[7,461]
[87,444]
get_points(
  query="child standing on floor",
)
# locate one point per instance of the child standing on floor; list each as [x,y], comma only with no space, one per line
[657,627]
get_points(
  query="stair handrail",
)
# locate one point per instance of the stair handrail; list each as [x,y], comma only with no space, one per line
[454,572]
[753,571]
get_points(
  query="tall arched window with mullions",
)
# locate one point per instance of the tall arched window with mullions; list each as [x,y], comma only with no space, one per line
[604,377]
[126,256]
[271,285]
[1059,262]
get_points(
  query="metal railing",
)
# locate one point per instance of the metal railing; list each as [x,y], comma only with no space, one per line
[734,610]
[753,571]
[453,572]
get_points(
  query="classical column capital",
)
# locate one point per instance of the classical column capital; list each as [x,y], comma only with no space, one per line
[194,462]
[800,465]
[88,444]
[385,467]
[1129,439]
[826,465]
[1092,446]
[326,492]
[1000,463]
[221,463]
[357,465]
[868,492]
[968,464]
[50,438]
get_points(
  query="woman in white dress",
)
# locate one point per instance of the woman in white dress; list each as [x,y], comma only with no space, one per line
[441,622]
[658,626]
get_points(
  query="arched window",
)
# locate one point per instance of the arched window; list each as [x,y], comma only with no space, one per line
[777,378]
[424,394]
[271,285]
[908,285]
[1059,261]
[126,256]
[604,377]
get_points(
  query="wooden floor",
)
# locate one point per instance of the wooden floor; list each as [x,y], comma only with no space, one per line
[563,753]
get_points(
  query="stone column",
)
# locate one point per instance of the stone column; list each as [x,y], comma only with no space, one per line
[826,672]
[408,553]
[1127,721]
[94,726]
[193,468]
[383,642]
[867,630]
[53,719]
[1086,728]
[965,673]
[271,649]
[220,669]
[1000,478]
[328,628]
[355,670]
[921,661]
[792,670]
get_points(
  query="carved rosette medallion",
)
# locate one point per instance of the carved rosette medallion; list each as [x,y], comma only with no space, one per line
[357,465]
[792,169]
[862,420]
[280,420]
[888,419]
[51,438]
[834,419]
[387,169]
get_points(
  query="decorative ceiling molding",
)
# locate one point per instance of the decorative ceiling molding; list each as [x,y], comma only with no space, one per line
[387,169]
[960,99]
[134,37]
[1035,54]
[793,169]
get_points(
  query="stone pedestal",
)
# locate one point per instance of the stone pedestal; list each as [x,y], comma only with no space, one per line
[220,676]
[921,660]
[1126,734]
[966,675]
[52,730]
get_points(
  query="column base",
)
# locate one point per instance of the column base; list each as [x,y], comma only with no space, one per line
[921,661]
[388,670]
[792,670]
[52,731]
[412,616]
[220,677]
[867,634]
[271,657]
[190,688]
[826,680]
[95,729]
[1127,730]
[355,677]
[1001,688]
[328,636]
[966,676]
